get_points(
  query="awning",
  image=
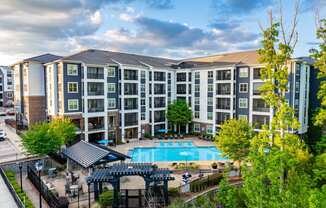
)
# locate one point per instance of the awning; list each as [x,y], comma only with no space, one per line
[87,155]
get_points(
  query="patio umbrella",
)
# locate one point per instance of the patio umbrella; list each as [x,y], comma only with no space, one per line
[103,141]
[162,131]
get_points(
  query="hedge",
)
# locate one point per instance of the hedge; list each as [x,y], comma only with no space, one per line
[204,183]
[22,195]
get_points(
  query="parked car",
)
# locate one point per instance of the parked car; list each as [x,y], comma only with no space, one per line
[10,112]
[2,135]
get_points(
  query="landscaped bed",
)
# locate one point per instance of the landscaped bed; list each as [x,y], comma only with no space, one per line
[11,175]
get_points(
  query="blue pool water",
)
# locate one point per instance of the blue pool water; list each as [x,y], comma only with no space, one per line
[175,151]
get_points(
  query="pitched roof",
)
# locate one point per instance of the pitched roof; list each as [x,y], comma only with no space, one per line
[44,58]
[87,154]
[93,56]
[243,57]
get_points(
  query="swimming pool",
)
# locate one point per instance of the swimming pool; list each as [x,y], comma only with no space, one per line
[175,151]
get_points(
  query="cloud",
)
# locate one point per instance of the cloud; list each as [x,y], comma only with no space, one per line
[160,4]
[239,7]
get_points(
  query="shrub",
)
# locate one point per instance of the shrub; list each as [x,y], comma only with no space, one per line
[174,192]
[106,199]
[22,195]
[147,135]
[204,183]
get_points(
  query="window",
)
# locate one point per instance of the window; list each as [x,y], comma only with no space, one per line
[73,104]
[72,69]
[95,73]
[143,116]
[181,77]
[256,88]
[196,127]
[209,129]
[210,101]
[197,88]
[197,75]
[130,74]
[142,102]
[111,102]
[210,74]
[243,117]
[243,87]
[223,103]
[181,89]
[243,72]
[111,87]
[197,100]
[72,87]
[257,74]
[196,114]
[209,115]
[210,87]
[223,89]
[243,103]
[159,76]
[111,72]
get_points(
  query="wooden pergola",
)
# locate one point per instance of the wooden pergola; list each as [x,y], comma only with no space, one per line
[151,174]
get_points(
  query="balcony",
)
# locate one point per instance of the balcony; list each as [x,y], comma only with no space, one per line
[256,88]
[258,121]
[159,102]
[181,89]
[223,75]
[159,116]
[181,77]
[257,74]
[95,73]
[95,105]
[223,103]
[131,103]
[159,89]
[130,74]
[221,117]
[95,89]
[159,76]
[96,124]
[223,89]
[131,89]
[260,105]
[131,119]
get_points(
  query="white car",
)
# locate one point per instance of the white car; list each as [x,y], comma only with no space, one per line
[2,135]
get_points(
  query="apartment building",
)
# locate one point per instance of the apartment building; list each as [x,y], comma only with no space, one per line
[6,87]
[120,96]
[29,89]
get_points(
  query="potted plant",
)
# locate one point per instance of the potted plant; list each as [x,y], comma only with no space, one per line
[214,165]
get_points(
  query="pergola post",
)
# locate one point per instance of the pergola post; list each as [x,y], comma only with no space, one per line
[166,192]
[116,190]
[100,187]
[95,190]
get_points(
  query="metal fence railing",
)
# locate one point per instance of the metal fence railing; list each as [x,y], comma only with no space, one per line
[52,200]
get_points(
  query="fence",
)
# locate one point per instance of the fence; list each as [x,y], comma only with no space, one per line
[52,200]
[13,193]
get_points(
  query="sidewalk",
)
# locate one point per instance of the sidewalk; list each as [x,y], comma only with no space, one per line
[32,192]
[6,199]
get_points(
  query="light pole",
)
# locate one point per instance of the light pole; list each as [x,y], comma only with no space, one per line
[20,175]
[39,167]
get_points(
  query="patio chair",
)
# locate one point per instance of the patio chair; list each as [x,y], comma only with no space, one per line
[67,189]
[171,137]
[181,136]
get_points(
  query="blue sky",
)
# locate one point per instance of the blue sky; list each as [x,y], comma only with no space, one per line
[175,29]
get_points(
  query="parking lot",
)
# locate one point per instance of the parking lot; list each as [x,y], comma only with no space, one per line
[11,148]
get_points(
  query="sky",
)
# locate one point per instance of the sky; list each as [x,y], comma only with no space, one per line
[166,28]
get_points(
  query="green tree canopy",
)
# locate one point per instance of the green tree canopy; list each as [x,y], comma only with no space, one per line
[45,138]
[65,129]
[234,138]
[41,140]
[179,113]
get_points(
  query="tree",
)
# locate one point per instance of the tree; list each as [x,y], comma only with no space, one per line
[41,140]
[234,139]
[65,129]
[45,138]
[320,62]
[178,113]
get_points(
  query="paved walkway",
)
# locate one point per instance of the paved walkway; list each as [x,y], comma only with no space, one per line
[6,199]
